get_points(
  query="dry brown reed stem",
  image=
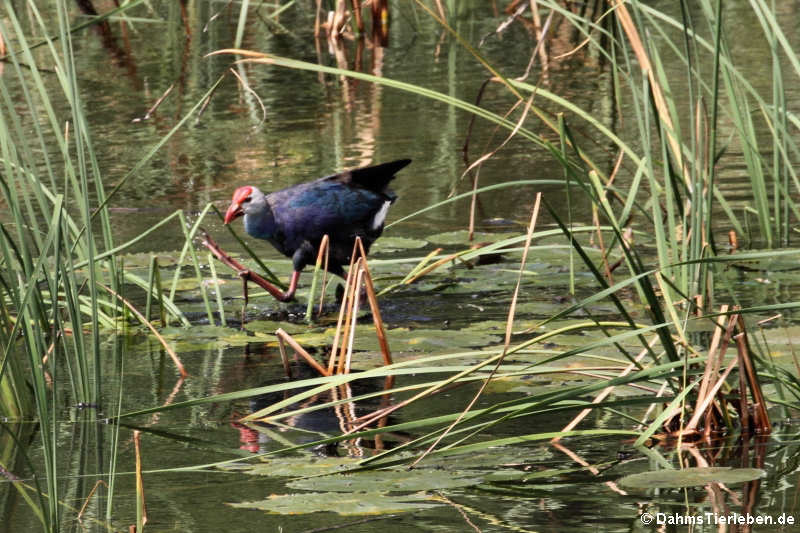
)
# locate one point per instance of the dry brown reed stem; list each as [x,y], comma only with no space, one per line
[601,245]
[713,362]
[629,27]
[284,359]
[437,496]
[323,246]
[540,33]
[733,241]
[47,377]
[283,336]
[583,462]
[430,268]
[506,23]
[357,14]
[372,297]
[347,325]
[439,8]
[710,387]
[345,328]
[342,310]
[762,417]
[89,498]
[171,398]
[744,411]
[155,105]
[488,155]
[509,330]
[317,23]
[354,316]
[254,94]
[710,397]
[143,320]
[139,480]
[605,392]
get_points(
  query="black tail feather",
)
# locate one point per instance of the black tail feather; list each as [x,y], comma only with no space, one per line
[375,178]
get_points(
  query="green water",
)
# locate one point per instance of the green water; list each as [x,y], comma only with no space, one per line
[309,127]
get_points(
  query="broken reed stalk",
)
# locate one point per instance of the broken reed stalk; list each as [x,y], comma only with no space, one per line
[324,277]
[342,310]
[586,464]
[762,423]
[347,306]
[284,359]
[283,336]
[712,362]
[89,498]
[357,15]
[354,318]
[349,323]
[437,264]
[357,274]
[141,509]
[410,277]
[710,405]
[372,297]
[744,411]
[345,327]
[322,257]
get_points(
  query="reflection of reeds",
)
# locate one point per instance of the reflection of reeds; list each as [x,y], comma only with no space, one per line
[141,510]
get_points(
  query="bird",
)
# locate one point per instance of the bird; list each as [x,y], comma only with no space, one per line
[294,220]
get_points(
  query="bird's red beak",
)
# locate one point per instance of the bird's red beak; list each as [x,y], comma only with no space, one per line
[235,209]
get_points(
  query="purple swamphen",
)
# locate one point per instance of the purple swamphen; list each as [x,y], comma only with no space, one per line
[343,206]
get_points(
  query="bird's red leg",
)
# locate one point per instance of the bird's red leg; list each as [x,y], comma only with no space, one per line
[248,275]
[289,294]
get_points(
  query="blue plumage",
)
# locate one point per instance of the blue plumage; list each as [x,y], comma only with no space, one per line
[343,206]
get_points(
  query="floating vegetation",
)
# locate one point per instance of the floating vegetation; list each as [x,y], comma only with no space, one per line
[348,504]
[691,477]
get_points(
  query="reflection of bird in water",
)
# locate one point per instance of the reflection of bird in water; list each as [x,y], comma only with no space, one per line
[320,423]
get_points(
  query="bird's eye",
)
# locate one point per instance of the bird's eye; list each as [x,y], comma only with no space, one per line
[246,200]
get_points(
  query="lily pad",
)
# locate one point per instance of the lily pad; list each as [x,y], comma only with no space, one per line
[295,466]
[268,327]
[690,477]
[388,481]
[208,337]
[343,503]
[462,237]
[404,339]
[394,244]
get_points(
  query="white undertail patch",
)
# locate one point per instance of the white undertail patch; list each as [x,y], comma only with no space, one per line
[380,216]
